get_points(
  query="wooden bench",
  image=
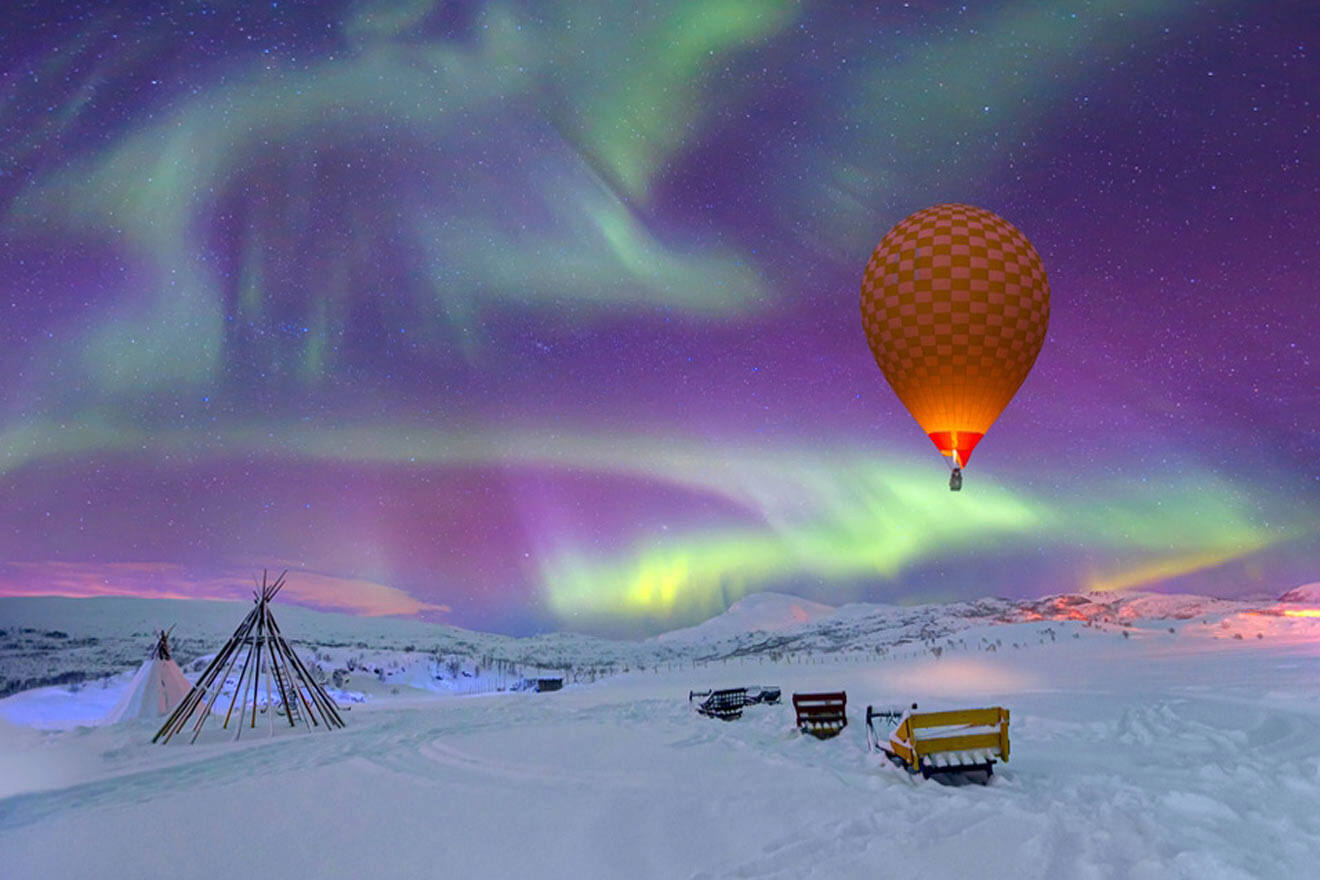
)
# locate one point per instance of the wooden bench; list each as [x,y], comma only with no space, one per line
[821,715]
[958,741]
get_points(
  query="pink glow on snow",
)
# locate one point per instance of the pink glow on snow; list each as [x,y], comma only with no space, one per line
[954,678]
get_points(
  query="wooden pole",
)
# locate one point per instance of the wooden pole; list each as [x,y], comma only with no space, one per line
[238,685]
[208,680]
[324,705]
[289,708]
[256,671]
[314,688]
[298,687]
[195,695]
[232,648]
[239,641]
[270,700]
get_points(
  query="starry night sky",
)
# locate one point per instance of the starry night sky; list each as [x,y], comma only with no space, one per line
[544,315]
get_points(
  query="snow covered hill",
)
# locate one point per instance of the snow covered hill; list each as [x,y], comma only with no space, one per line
[55,641]
[63,662]
[1308,594]
[759,612]
[1184,744]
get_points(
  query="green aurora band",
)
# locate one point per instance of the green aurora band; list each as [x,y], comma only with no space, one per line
[842,517]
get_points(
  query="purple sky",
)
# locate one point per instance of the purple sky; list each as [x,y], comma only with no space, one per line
[528,316]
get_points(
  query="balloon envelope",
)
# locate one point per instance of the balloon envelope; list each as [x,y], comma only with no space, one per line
[955,304]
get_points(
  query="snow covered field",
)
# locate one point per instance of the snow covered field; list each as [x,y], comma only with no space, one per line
[1137,752]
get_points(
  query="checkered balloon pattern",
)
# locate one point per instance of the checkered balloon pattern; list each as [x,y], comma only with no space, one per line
[955,304]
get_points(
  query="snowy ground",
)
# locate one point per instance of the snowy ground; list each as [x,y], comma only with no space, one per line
[1185,754]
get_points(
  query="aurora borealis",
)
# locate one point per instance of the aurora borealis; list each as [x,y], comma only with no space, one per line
[541,315]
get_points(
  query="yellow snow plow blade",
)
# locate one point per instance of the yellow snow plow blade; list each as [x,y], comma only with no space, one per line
[944,742]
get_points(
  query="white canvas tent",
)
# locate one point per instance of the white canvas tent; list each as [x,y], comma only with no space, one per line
[157,688]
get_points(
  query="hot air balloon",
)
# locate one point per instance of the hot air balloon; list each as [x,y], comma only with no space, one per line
[955,305]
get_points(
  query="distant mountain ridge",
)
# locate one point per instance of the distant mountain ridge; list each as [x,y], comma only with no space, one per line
[767,611]
[56,640]
[1306,593]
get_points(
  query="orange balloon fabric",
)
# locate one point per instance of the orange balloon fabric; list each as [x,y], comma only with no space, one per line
[955,304]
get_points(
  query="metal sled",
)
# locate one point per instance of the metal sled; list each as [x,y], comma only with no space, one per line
[728,703]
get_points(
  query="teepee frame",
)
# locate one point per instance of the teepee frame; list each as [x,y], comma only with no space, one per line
[290,689]
[162,649]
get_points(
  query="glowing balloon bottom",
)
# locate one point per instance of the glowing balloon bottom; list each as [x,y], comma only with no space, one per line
[957,445]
